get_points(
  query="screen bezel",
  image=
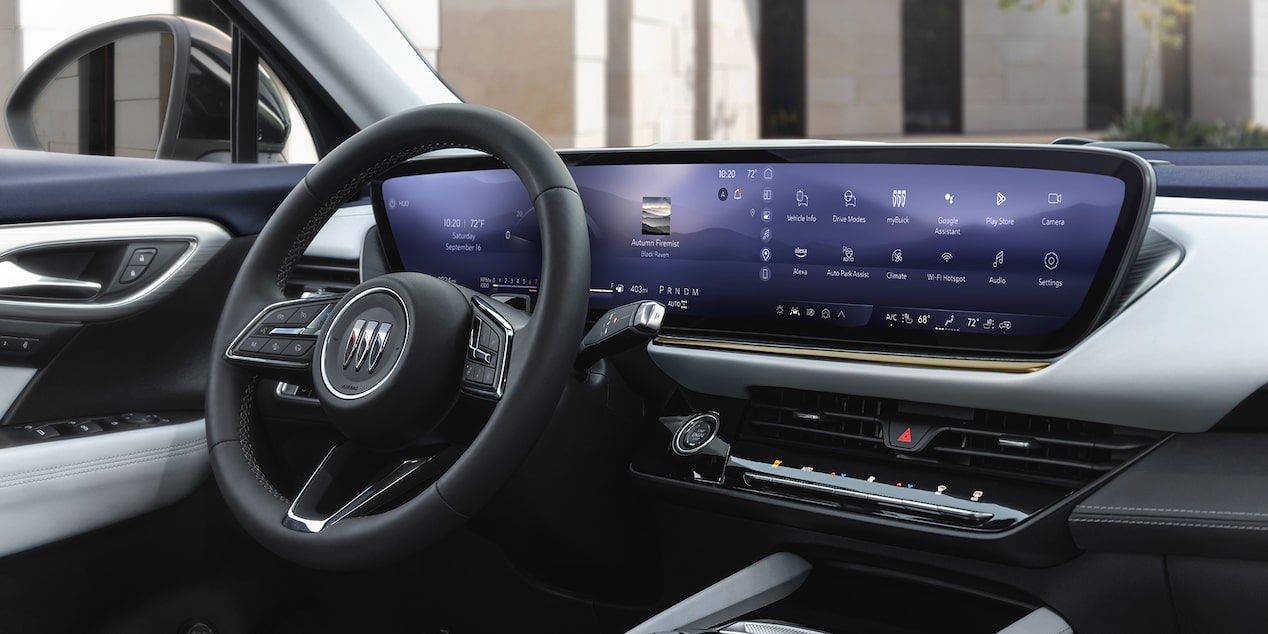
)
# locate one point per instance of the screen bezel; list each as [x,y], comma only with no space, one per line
[1128,233]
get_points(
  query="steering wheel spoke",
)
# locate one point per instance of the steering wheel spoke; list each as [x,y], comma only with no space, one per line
[314,509]
[281,338]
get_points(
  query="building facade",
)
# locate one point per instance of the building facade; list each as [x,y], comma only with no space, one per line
[633,72]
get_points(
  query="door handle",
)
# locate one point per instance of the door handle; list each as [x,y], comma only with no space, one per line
[16,281]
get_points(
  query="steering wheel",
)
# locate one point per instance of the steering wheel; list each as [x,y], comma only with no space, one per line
[399,363]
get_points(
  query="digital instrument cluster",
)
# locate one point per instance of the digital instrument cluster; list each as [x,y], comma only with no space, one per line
[998,249]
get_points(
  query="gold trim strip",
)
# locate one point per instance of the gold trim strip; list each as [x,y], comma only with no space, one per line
[988,365]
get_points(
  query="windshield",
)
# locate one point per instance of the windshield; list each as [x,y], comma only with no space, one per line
[587,73]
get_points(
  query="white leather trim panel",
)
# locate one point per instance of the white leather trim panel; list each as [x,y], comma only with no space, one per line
[55,489]
[12,381]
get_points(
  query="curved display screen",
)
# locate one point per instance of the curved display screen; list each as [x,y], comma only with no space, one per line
[1007,250]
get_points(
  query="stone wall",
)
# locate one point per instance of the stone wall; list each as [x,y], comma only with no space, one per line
[1024,70]
[854,80]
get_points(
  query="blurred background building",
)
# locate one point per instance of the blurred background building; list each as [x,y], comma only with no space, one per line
[633,72]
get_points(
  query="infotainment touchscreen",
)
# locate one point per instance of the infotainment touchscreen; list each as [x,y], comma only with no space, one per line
[1008,250]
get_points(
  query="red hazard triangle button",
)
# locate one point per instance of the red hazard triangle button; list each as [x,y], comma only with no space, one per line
[907,435]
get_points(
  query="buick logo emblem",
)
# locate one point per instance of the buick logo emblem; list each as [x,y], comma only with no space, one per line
[364,345]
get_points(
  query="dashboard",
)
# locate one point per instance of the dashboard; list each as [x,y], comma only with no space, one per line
[983,252]
[900,447]
[976,250]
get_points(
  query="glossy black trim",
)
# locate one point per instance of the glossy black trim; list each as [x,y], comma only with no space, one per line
[1124,243]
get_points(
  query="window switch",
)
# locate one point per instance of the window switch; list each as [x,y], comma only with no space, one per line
[84,427]
[47,431]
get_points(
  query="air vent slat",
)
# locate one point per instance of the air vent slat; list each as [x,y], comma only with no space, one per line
[1022,458]
[1035,448]
[824,432]
[1122,443]
[855,417]
[322,275]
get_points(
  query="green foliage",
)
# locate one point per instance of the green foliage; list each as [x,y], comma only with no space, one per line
[1177,131]
[1162,19]
[1063,6]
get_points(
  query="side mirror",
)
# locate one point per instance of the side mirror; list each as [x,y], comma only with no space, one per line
[151,86]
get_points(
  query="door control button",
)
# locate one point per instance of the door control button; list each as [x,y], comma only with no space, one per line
[142,257]
[131,274]
[83,427]
[47,431]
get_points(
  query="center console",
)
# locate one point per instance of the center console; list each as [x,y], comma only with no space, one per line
[850,464]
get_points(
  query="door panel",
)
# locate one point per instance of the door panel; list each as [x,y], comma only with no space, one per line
[54,489]
[112,274]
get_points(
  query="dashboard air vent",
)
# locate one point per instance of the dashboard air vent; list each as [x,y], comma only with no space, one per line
[1158,256]
[1036,448]
[314,276]
[815,419]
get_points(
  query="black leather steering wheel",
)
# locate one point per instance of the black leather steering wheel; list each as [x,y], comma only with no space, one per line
[420,335]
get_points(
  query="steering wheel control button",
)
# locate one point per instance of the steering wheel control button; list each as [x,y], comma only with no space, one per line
[252,345]
[298,347]
[488,343]
[279,316]
[304,314]
[489,339]
[142,257]
[283,335]
[481,356]
[696,433]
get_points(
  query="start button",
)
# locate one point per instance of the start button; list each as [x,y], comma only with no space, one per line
[694,434]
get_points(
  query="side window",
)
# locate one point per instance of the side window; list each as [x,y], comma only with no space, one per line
[119,99]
